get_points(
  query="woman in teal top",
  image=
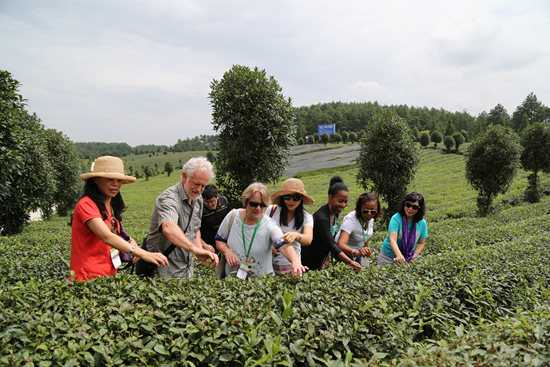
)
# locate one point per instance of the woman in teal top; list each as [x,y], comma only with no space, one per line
[407,232]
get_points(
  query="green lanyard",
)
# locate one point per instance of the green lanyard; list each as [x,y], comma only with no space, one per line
[363,230]
[253,235]
[113,229]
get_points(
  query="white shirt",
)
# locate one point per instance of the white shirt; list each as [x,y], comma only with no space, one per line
[260,252]
[308,221]
[352,226]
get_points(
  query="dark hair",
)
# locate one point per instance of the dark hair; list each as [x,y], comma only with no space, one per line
[92,191]
[210,191]
[412,197]
[367,197]
[298,215]
[336,184]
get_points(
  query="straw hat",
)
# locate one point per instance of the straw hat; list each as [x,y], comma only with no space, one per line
[108,167]
[292,186]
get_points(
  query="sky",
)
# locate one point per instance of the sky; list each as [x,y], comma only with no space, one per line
[139,71]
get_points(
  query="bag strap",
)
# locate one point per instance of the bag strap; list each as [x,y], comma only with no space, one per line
[233,214]
[273,209]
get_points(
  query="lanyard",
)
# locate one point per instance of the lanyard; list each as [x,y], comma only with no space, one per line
[113,229]
[253,235]
[362,229]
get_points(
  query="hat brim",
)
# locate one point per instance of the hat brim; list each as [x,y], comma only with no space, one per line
[114,175]
[275,197]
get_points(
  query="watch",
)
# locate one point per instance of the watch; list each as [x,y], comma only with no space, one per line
[131,253]
[300,237]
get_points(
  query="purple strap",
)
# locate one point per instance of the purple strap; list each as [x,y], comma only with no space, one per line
[124,257]
[408,239]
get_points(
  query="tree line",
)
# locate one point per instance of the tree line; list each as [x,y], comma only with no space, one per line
[355,116]
[93,150]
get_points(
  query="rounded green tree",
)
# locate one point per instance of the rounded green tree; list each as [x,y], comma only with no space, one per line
[168,168]
[459,140]
[449,143]
[535,140]
[345,137]
[255,125]
[493,160]
[425,139]
[352,137]
[436,138]
[388,159]
[325,138]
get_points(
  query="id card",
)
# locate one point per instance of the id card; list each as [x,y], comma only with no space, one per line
[115,258]
[243,271]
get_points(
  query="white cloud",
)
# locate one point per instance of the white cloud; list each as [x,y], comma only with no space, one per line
[140,71]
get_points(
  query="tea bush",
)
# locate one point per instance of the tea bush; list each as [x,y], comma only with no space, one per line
[478,295]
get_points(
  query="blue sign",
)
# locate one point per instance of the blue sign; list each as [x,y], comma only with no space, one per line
[328,128]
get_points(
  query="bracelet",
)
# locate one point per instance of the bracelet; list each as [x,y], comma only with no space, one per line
[131,253]
[352,252]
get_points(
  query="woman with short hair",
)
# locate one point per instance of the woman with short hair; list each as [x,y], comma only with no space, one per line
[95,223]
[408,231]
[247,246]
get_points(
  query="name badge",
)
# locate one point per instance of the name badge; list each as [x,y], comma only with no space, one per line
[244,271]
[115,258]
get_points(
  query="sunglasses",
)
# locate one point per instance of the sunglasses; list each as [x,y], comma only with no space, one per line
[414,206]
[293,197]
[372,211]
[255,204]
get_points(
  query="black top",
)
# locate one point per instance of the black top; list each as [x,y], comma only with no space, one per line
[211,220]
[323,241]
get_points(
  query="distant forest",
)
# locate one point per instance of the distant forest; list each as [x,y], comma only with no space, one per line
[353,117]
[96,149]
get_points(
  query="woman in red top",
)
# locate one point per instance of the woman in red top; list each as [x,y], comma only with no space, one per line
[96,223]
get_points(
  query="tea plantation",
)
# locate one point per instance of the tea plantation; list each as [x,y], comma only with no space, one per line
[478,296]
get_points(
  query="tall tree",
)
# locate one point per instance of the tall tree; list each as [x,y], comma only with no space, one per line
[388,159]
[532,107]
[535,157]
[255,129]
[493,160]
[450,130]
[498,116]
[66,167]
[35,163]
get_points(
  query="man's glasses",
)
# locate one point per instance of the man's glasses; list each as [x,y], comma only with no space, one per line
[372,211]
[293,197]
[255,204]
[414,206]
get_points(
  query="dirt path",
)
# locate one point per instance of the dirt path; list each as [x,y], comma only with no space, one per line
[316,160]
